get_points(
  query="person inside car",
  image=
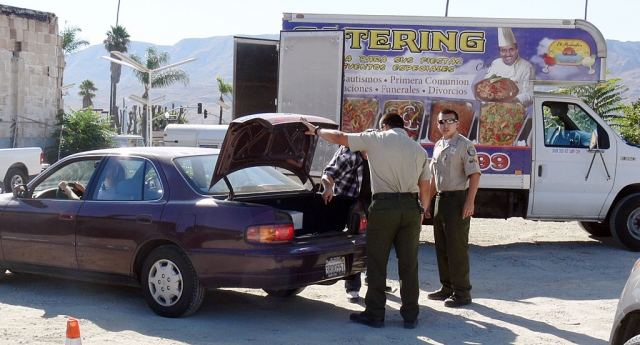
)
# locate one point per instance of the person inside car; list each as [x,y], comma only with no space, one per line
[114,174]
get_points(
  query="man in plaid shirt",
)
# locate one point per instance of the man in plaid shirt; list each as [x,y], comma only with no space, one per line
[346,175]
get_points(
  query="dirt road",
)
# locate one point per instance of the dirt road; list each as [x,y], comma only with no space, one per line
[533,283]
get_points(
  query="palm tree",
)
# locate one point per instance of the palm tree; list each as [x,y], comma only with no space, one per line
[70,42]
[604,98]
[628,125]
[87,87]
[117,40]
[225,89]
[161,79]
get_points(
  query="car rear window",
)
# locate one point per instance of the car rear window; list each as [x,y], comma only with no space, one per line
[198,171]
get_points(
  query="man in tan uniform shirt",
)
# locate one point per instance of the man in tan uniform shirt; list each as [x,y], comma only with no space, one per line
[400,177]
[454,163]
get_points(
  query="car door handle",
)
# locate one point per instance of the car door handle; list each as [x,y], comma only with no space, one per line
[65,216]
[540,170]
[143,219]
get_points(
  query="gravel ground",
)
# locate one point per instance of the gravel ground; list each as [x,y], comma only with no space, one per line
[533,283]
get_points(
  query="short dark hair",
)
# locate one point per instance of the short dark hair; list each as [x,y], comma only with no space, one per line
[450,111]
[393,120]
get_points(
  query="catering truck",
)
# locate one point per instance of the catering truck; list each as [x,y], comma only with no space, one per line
[544,156]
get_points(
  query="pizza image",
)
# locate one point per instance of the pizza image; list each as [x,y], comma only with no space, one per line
[495,89]
[359,114]
[500,123]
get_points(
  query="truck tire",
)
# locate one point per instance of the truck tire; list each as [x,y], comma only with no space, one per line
[14,177]
[633,341]
[625,222]
[596,229]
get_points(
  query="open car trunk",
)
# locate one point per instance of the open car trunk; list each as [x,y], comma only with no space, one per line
[312,217]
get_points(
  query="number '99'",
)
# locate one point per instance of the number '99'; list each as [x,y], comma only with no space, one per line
[496,161]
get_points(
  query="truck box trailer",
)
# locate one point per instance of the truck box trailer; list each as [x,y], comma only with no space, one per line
[194,135]
[544,155]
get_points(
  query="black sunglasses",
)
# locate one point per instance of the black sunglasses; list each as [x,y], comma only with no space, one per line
[449,121]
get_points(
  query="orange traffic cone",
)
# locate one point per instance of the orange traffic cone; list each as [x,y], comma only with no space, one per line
[73,332]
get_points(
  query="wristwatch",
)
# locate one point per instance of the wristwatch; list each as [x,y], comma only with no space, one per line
[317,129]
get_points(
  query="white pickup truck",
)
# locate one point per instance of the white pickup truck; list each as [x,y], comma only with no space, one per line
[19,166]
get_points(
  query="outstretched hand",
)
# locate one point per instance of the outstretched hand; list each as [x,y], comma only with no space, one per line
[310,128]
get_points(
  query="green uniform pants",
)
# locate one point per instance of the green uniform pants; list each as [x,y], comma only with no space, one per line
[451,234]
[394,222]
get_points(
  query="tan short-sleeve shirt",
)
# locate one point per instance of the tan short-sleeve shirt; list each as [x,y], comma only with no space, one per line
[452,164]
[396,161]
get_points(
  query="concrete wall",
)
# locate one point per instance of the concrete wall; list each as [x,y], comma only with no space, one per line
[31,70]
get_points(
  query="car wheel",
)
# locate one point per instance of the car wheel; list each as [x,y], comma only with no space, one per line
[633,341]
[284,293]
[170,284]
[14,177]
[596,229]
[625,222]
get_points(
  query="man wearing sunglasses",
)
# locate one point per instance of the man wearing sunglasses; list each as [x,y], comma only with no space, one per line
[455,177]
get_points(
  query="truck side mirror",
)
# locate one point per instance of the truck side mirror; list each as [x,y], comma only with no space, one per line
[593,144]
[20,191]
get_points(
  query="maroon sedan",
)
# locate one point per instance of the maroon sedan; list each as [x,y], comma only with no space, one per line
[178,220]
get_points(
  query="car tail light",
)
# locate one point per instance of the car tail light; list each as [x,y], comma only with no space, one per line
[41,157]
[362,228]
[272,233]
[358,223]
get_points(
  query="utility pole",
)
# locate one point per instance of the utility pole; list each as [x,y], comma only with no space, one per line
[586,3]
[220,118]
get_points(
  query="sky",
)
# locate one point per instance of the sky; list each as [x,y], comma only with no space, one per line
[165,22]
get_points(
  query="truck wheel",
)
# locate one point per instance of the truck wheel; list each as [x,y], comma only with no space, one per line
[284,293]
[170,284]
[14,177]
[625,222]
[596,229]
[633,341]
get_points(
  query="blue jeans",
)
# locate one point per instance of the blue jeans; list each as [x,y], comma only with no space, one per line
[354,284]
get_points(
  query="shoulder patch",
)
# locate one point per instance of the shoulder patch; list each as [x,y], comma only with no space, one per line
[471,151]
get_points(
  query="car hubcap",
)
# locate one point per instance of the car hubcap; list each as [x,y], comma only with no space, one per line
[165,283]
[633,223]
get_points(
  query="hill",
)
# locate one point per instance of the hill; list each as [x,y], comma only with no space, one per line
[215,58]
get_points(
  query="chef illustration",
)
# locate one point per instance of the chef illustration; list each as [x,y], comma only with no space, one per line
[511,65]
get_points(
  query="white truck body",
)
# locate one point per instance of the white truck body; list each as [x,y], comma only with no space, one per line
[19,166]
[128,140]
[544,156]
[190,135]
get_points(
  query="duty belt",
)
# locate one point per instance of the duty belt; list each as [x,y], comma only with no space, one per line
[379,196]
[451,193]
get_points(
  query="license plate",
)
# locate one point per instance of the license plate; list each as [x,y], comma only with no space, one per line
[335,266]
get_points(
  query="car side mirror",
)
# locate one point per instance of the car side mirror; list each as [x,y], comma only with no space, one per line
[593,143]
[20,191]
